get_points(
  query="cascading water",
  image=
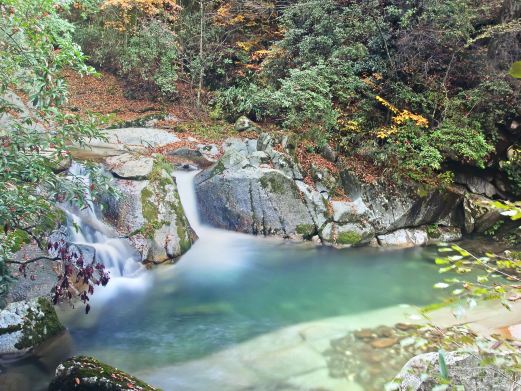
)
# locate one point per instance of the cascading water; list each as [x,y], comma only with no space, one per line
[88,232]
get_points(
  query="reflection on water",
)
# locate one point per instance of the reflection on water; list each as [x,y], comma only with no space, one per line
[231,287]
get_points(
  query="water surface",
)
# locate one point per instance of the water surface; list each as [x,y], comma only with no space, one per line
[228,289]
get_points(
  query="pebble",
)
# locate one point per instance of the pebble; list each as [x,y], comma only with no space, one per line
[382,343]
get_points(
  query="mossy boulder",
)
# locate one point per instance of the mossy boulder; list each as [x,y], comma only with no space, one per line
[151,214]
[26,324]
[88,374]
[258,192]
[347,235]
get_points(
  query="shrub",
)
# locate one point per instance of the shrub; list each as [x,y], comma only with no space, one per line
[147,56]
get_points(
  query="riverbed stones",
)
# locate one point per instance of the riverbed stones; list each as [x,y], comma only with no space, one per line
[421,373]
[88,374]
[26,324]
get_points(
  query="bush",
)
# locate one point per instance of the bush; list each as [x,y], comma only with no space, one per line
[303,98]
[146,58]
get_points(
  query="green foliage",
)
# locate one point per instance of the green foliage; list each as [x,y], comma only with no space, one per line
[35,46]
[444,372]
[515,70]
[147,58]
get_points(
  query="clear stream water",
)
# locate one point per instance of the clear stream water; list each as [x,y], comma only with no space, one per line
[226,289]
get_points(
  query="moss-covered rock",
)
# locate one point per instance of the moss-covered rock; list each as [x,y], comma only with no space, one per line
[26,324]
[257,192]
[88,374]
[151,214]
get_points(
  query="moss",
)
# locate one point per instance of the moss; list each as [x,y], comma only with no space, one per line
[217,169]
[273,182]
[88,374]
[159,181]
[348,237]
[10,329]
[433,231]
[149,209]
[182,225]
[306,230]
[39,325]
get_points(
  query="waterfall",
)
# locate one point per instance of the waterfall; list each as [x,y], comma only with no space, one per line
[88,232]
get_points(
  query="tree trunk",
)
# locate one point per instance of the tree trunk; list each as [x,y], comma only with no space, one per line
[201,66]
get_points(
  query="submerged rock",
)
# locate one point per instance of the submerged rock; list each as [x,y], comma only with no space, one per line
[26,324]
[422,373]
[151,214]
[88,374]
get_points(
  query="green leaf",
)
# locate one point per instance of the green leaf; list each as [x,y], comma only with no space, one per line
[515,71]
[444,372]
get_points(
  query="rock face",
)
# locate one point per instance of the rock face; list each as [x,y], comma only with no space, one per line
[120,141]
[463,369]
[151,213]
[255,191]
[256,188]
[88,374]
[26,324]
[406,207]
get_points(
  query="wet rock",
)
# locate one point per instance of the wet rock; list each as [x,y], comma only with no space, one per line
[382,343]
[253,191]
[388,207]
[422,372]
[88,374]
[480,215]
[26,324]
[404,238]
[443,234]
[347,235]
[151,214]
[192,155]
[129,166]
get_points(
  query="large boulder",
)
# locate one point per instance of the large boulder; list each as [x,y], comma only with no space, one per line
[128,166]
[120,141]
[389,208]
[422,373]
[150,212]
[480,214]
[88,374]
[257,190]
[26,324]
